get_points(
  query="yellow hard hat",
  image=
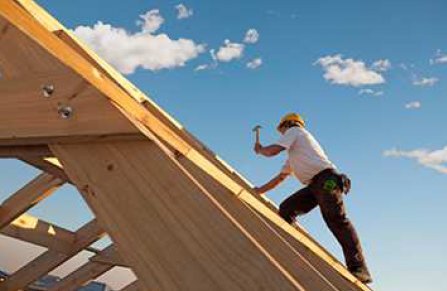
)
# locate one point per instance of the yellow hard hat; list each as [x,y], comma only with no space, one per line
[291,117]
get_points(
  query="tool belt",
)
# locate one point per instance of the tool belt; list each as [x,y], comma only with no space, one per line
[345,183]
[333,180]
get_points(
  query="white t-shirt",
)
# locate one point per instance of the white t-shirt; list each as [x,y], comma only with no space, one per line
[306,158]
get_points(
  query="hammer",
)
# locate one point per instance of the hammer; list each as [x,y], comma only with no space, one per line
[257,129]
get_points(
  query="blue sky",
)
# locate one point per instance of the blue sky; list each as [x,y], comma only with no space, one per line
[376,103]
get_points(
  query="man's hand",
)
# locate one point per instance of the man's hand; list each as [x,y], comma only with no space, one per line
[271,184]
[258,190]
[257,148]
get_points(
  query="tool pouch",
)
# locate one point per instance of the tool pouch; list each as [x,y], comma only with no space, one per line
[344,183]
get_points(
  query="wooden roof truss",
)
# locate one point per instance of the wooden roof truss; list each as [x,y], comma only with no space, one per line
[178,215]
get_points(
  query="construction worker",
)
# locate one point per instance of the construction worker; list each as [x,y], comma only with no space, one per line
[324,187]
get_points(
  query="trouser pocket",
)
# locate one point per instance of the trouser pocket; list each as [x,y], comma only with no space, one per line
[331,184]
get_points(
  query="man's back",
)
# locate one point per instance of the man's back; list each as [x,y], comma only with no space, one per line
[306,157]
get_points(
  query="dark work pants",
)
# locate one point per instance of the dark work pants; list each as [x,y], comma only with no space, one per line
[333,211]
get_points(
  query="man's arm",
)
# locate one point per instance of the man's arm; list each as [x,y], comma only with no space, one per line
[271,184]
[268,151]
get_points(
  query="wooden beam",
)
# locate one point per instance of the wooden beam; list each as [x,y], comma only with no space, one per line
[39,232]
[47,163]
[35,116]
[87,272]
[110,257]
[45,166]
[51,259]
[44,140]
[162,224]
[46,19]
[16,151]
[33,192]
[32,60]
[33,230]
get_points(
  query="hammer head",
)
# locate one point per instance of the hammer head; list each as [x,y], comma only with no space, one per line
[257,128]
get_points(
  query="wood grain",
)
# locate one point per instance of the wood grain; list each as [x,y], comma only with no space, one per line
[173,234]
[36,190]
[23,104]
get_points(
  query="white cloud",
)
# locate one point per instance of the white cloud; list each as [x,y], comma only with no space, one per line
[440,58]
[381,65]
[228,52]
[366,91]
[151,21]
[201,67]
[425,82]
[413,105]
[183,12]
[348,71]
[436,159]
[127,51]
[255,63]
[204,67]
[370,91]
[211,66]
[251,36]
[213,55]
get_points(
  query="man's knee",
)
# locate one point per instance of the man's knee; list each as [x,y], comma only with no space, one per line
[298,203]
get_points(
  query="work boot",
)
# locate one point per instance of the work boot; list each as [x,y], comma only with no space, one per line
[362,274]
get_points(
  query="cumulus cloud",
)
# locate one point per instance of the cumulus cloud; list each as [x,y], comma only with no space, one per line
[413,105]
[440,58]
[228,52]
[255,63]
[183,12]
[381,65]
[151,21]
[348,71]
[251,36]
[436,159]
[425,82]
[128,51]
[369,91]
